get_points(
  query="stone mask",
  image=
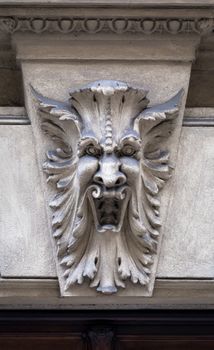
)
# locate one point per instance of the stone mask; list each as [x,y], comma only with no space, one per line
[106,168]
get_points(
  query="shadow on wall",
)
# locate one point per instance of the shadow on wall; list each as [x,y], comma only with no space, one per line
[201,89]
[11,87]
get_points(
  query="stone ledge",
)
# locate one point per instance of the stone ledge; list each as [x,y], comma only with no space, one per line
[198,117]
[91,3]
[192,116]
[13,116]
[198,112]
[44,294]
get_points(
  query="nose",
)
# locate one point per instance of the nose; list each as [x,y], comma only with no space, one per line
[109,174]
[111,180]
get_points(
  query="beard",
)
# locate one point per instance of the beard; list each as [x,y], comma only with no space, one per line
[109,242]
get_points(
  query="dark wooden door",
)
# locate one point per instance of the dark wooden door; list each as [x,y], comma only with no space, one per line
[107,330]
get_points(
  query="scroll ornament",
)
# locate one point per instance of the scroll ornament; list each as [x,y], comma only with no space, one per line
[107,167]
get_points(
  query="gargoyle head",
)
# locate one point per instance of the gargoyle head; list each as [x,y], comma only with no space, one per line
[107,170]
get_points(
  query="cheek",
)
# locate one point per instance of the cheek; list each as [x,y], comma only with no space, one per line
[131,168]
[86,169]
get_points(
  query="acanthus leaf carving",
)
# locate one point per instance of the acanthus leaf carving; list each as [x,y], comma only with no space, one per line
[107,168]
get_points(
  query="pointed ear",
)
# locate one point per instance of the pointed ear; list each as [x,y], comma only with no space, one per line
[152,116]
[59,110]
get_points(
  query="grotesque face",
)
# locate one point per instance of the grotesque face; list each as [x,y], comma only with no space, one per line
[107,169]
[116,168]
[109,149]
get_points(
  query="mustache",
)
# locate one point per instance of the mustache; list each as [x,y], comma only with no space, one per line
[98,192]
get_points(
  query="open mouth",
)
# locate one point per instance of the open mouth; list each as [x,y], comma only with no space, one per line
[108,207]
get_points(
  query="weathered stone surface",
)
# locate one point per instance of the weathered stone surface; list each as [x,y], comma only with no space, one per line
[188,241]
[44,294]
[125,40]
[13,112]
[55,79]
[112,155]
[25,249]
[200,112]
[187,248]
[74,75]
[106,46]
[193,3]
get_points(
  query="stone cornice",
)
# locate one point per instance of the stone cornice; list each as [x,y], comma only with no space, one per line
[113,3]
[116,25]
[44,294]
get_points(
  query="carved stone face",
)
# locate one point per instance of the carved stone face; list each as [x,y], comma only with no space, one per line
[109,149]
[107,168]
[114,171]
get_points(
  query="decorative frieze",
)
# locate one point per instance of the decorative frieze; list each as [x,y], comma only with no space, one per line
[118,25]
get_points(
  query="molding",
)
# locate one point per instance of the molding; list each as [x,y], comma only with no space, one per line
[116,25]
[198,117]
[10,120]
[13,111]
[198,121]
[187,121]
[198,112]
[13,116]
[193,117]
[113,3]
[168,294]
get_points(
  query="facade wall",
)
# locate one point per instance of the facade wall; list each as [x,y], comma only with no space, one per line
[174,50]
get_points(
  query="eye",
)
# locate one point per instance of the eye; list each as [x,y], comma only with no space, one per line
[128,150]
[91,150]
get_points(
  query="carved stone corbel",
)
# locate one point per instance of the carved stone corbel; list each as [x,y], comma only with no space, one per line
[106,169]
